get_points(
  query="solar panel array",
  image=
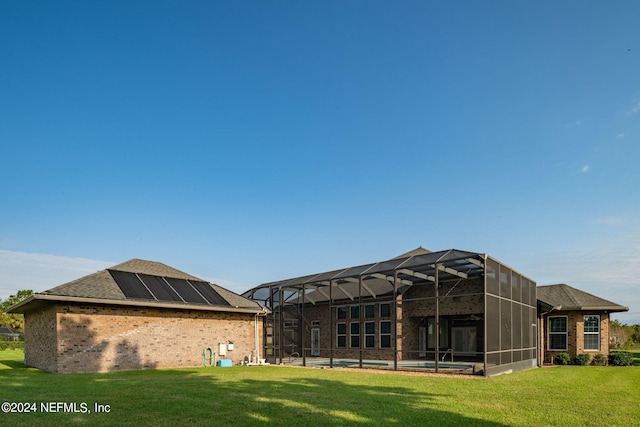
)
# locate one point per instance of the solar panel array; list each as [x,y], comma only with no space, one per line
[166,289]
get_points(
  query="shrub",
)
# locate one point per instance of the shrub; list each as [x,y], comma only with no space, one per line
[582,359]
[599,360]
[11,345]
[562,359]
[620,358]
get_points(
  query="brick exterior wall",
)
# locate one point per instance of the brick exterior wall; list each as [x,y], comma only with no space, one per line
[96,338]
[40,338]
[575,334]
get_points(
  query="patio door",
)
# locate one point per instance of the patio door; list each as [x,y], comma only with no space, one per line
[464,339]
[315,341]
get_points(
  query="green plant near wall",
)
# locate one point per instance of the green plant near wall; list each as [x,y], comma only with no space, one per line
[562,359]
[582,359]
[620,358]
[11,345]
[599,360]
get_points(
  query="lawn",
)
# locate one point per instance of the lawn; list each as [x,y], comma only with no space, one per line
[275,395]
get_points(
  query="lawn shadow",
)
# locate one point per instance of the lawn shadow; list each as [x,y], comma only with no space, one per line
[12,364]
[302,400]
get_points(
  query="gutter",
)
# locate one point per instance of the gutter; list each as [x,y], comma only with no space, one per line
[21,307]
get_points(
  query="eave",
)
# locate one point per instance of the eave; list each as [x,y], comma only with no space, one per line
[39,300]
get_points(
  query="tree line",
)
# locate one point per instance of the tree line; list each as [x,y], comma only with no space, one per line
[622,335]
[13,321]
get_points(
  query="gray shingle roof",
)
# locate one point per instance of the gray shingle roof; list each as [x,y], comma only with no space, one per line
[565,297]
[102,286]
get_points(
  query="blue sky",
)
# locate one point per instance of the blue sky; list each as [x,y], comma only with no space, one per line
[251,141]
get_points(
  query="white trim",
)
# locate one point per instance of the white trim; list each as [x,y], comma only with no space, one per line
[566,333]
[585,333]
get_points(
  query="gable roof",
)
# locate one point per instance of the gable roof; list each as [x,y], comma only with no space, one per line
[565,297]
[107,287]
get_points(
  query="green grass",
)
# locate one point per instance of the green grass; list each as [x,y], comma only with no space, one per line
[274,395]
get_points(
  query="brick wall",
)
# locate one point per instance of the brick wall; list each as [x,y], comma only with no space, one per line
[97,338]
[40,338]
[575,334]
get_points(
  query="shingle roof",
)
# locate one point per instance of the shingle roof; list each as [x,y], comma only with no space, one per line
[565,297]
[102,287]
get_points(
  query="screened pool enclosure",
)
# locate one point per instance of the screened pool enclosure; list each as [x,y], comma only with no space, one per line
[441,311]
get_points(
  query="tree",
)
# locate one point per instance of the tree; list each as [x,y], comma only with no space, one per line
[15,321]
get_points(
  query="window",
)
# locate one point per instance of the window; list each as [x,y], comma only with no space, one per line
[369,311]
[557,333]
[591,332]
[369,334]
[385,334]
[385,310]
[342,312]
[341,335]
[355,335]
[355,311]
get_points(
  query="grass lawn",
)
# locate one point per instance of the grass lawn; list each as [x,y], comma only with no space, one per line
[275,395]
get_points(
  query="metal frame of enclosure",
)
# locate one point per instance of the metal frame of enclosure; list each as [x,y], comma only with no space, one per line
[464,307]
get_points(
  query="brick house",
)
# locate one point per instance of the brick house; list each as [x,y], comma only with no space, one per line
[573,321]
[422,309]
[138,315]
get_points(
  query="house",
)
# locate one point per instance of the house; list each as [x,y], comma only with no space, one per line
[442,310]
[10,334]
[138,315]
[573,321]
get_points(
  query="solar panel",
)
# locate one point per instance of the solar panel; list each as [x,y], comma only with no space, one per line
[130,285]
[209,293]
[186,291]
[160,288]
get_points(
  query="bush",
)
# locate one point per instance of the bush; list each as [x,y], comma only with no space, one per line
[562,359]
[582,359]
[599,360]
[620,358]
[11,345]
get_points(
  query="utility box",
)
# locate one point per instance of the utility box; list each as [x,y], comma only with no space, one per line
[225,363]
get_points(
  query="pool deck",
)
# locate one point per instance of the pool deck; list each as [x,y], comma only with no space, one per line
[467,367]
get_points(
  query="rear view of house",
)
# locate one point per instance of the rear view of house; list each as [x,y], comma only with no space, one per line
[138,315]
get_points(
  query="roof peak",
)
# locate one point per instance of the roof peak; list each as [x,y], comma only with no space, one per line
[417,251]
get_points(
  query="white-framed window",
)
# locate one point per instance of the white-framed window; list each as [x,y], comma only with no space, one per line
[355,311]
[369,334]
[385,309]
[341,335]
[385,334]
[557,333]
[592,332]
[341,312]
[370,311]
[354,335]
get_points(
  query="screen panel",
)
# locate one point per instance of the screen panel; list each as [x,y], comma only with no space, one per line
[130,285]
[186,291]
[160,288]
[493,323]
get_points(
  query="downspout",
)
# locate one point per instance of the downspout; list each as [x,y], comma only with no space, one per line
[256,338]
[540,332]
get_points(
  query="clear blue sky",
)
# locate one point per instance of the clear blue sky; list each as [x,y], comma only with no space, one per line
[249,141]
